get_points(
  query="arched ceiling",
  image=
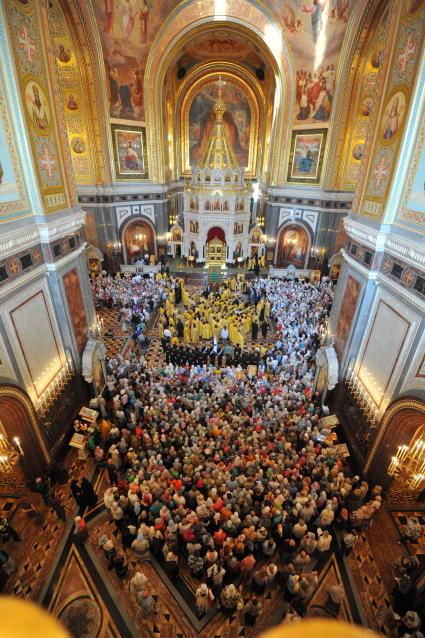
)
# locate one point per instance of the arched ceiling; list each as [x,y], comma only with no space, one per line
[308,35]
[221,44]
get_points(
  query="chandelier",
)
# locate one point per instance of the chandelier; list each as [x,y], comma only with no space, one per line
[9,452]
[409,462]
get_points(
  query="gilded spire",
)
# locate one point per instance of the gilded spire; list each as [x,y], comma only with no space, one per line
[219,152]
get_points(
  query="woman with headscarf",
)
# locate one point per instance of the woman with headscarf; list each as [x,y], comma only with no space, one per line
[81,532]
[204,599]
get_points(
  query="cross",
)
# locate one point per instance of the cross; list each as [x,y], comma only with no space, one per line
[407,53]
[387,264]
[381,171]
[47,162]
[36,255]
[14,267]
[408,277]
[26,43]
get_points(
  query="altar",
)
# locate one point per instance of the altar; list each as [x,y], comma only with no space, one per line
[217,202]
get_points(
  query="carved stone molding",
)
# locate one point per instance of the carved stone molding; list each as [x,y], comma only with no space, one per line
[365,234]
[17,240]
[412,253]
[61,227]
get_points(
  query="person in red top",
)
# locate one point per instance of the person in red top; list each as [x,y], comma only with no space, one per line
[188,535]
[219,537]
[218,504]
[247,566]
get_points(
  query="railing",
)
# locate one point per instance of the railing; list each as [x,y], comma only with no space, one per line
[142,269]
[290,273]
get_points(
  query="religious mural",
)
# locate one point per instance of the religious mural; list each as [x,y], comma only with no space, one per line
[129,151]
[402,69]
[221,44]
[306,156]
[77,313]
[127,29]
[413,207]
[360,115]
[12,194]
[237,121]
[292,247]
[346,314]
[315,31]
[72,96]
[37,105]
[139,239]
[32,75]
[417,196]
[393,115]
[129,145]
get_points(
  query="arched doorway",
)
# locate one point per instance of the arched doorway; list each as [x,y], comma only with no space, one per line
[216,246]
[138,238]
[18,420]
[292,247]
[402,424]
[256,242]
[176,241]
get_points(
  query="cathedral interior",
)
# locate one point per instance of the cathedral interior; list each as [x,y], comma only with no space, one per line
[214,211]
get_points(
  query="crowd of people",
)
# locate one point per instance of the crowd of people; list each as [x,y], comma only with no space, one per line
[135,296]
[230,477]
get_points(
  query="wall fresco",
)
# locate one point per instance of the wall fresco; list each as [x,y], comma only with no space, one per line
[77,313]
[73,102]
[26,35]
[315,31]
[221,44]
[12,192]
[127,29]
[237,121]
[358,130]
[396,101]
[346,314]
[306,156]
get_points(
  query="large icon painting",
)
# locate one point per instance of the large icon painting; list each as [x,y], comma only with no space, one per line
[130,151]
[237,121]
[293,247]
[306,157]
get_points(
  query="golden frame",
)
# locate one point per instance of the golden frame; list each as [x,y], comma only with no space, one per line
[120,175]
[197,85]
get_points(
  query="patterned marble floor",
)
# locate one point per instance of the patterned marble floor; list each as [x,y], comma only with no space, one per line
[371,565]
[113,336]
[78,596]
[75,585]
[41,537]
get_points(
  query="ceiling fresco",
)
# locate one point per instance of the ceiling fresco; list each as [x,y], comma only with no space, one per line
[315,32]
[314,29]
[221,44]
[127,29]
